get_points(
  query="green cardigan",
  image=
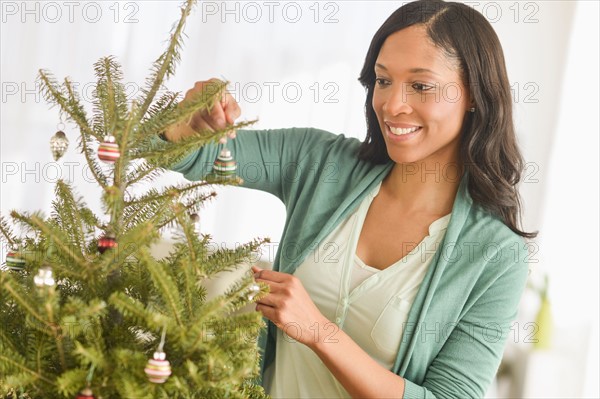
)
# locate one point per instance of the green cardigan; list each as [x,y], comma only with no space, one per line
[459,322]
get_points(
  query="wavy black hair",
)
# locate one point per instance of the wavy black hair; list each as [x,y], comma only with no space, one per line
[488,144]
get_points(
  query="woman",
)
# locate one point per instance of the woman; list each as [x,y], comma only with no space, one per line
[401,264]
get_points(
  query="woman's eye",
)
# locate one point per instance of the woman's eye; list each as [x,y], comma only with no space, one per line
[381,82]
[421,87]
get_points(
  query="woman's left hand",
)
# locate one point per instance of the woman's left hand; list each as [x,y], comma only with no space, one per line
[289,306]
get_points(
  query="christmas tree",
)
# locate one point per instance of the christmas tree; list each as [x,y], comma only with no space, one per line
[85,309]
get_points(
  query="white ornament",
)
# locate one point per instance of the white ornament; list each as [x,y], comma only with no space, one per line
[44,278]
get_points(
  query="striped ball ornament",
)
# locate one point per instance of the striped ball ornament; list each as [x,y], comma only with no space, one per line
[15,261]
[225,166]
[158,369]
[109,150]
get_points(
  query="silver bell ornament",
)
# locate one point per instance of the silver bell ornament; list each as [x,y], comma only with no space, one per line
[59,144]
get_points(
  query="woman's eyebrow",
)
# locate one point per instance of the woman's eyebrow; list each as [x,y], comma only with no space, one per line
[412,70]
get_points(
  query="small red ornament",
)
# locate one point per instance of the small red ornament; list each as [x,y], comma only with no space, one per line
[86,394]
[109,150]
[106,242]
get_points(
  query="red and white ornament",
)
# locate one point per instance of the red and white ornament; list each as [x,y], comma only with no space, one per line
[158,369]
[106,242]
[109,150]
[86,394]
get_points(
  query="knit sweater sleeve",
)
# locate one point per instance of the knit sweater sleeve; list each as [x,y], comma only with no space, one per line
[268,160]
[469,359]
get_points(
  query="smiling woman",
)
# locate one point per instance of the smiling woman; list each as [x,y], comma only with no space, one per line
[400,276]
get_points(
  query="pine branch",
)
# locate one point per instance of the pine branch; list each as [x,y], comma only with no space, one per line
[173,113]
[25,301]
[152,123]
[141,172]
[6,231]
[6,341]
[166,287]
[50,307]
[18,363]
[69,382]
[189,205]
[135,310]
[85,143]
[72,216]
[121,166]
[110,101]
[126,361]
[133,242]
[76,310]
[161,212]
[165,154]
[90,157]
[203,329]
[237,293]
[154,197]
[190,236]
[191,294]
[89,355]
[71,106]
[164,66]
[87,138]
[56,236]
[229,259]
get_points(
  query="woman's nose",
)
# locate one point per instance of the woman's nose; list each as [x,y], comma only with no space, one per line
[398,101]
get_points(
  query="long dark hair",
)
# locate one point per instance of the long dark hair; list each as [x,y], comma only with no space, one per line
[488,144]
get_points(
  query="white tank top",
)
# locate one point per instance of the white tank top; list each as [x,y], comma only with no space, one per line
[369,304]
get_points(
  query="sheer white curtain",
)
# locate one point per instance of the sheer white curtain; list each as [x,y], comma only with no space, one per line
[569,236]
[296,64]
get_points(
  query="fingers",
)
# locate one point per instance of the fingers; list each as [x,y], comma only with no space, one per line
[225,111]
[270,275]
[268,312]
[216,117]
[257,272]
[231,108]
[219,117]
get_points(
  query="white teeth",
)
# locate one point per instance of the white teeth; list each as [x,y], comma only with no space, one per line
[400,131]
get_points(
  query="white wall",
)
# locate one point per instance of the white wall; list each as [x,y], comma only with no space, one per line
[552,63]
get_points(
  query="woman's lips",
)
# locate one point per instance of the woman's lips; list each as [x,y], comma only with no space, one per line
[402,132]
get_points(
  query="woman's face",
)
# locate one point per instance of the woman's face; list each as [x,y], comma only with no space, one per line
[419,98]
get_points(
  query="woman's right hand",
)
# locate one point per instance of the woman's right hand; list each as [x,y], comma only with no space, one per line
[222,114]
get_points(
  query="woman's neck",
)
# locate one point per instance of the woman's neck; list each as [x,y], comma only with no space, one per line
[423,187]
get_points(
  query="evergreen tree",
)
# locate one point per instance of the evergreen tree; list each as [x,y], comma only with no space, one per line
[72,317]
